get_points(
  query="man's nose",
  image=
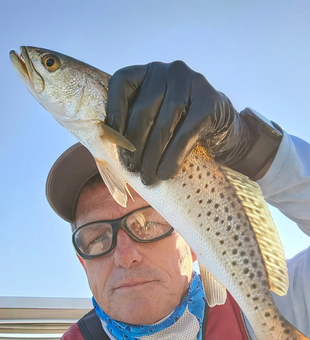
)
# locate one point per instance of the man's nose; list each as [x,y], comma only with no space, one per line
[126,250]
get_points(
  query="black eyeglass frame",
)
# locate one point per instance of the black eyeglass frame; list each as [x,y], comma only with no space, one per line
[116,224]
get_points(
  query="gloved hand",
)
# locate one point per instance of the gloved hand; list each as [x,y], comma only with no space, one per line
[164,110]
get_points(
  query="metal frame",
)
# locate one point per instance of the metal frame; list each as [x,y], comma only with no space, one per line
[39,318]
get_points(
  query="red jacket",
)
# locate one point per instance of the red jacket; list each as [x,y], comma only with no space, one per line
[224,322]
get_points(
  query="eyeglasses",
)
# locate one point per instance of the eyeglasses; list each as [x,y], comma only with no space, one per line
[99,238]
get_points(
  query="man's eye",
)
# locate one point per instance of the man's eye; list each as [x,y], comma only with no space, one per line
[101,238]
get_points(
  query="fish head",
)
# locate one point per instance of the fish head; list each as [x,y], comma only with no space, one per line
[66,87]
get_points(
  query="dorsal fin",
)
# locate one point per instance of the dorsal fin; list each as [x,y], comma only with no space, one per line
[264,227]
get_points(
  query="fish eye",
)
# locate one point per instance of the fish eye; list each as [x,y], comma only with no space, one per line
[51,62]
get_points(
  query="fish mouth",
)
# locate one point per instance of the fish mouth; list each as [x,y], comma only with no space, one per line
[27,72]
[20,62]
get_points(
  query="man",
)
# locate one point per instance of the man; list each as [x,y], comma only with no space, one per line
[141,277]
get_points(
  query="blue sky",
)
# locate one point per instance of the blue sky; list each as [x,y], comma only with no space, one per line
[256,52]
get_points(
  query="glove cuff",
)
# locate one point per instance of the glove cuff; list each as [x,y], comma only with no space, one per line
[265,139]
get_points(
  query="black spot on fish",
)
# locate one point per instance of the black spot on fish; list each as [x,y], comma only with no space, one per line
[242,253]
[234,263]
[206,185]
[240,283]
[245,261]
[224,252]
[199,215]
[238,227]
[226,209]
[197,168]
[198,191]
[209,213]
[184,184]
[248,295]
[254,264]
[247,239]
[217,233]
[267,314]
[189,196]
[183,170]
[228,228]
[254,286]
[216,219]
[236,237]
[251,276]
[287,331]
[252,253]
[209,201]
[200,201]
[222,242]
[212,190]
[240,244]
[208,173]
[221,195]
[235,251]
[190,176]
[199,176]
[246,270]
[216,206]
[256,298]
[191,165]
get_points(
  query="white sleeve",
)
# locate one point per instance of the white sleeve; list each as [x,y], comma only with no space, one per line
[286,186]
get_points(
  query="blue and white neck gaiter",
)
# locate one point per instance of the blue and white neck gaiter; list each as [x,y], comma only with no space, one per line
[184,323]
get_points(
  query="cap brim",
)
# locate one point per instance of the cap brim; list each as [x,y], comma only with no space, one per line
[67,177]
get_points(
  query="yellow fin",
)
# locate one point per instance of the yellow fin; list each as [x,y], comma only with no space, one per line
[114,137]
[264,227]
[116,185]
[216,293]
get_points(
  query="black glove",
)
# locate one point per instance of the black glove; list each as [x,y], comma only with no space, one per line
[164,110]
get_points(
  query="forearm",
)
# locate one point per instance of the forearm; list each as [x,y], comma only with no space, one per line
[286,184]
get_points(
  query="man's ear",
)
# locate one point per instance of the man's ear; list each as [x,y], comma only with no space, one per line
[82,262]
[194,256]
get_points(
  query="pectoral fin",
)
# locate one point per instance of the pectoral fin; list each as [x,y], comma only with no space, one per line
[117,186]
[107,133]
[216,293]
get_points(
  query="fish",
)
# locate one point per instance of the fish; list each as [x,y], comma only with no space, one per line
[220,213]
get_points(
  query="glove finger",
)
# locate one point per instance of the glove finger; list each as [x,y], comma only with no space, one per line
[183,142]
[143,114]
[171,115]
[124,85]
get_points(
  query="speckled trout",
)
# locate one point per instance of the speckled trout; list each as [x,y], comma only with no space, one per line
[219,212]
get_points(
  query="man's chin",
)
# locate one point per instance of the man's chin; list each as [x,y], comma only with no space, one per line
[138,309]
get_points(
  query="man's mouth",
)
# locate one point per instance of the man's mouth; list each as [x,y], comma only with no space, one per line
[133,284]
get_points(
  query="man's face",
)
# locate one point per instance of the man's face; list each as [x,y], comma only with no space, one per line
[137,283]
